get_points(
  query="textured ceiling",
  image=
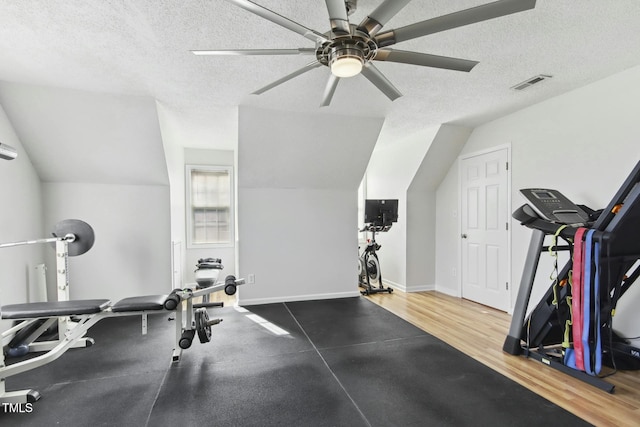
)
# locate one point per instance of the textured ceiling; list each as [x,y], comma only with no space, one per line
[143,47]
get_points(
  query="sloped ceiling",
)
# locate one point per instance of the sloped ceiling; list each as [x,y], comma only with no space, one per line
[78,136]
[141,47]
[442,153]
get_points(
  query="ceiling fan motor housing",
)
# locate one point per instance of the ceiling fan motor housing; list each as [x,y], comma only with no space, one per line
[346,50]
[357,46]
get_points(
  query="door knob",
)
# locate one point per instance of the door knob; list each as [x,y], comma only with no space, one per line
[464,236]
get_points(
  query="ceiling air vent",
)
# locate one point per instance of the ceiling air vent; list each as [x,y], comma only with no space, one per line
[530,82]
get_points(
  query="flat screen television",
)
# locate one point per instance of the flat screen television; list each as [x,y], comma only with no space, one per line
[380,212]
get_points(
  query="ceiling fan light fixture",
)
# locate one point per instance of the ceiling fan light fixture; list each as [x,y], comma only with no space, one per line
[346,61]
[346,66]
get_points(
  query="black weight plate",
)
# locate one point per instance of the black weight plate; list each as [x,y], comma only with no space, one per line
[85,237]
[202,325]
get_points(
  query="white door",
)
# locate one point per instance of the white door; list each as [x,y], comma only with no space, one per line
[484,228]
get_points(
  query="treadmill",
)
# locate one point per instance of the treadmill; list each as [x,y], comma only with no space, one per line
[540,334]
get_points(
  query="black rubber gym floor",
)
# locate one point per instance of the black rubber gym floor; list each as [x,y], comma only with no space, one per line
[343,362]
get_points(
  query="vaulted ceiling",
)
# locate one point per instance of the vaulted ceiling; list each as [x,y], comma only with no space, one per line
[142,47]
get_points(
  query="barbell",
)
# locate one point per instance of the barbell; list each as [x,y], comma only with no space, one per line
[78,234]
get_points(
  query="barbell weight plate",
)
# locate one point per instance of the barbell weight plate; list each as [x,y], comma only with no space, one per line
[202,325]
[84,235]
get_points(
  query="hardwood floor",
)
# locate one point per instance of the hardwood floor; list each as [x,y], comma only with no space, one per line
[479,331]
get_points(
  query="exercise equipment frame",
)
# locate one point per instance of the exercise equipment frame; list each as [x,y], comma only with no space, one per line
[369,264]
[86,314]
[617,231]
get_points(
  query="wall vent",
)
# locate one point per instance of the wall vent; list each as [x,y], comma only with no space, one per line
[530,82]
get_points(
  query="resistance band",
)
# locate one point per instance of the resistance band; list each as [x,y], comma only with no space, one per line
[577,290]
[586,301]
[597,356]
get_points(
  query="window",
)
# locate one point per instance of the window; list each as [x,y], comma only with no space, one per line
[209,206]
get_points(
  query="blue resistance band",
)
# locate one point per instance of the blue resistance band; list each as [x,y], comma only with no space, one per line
[597,324]
[586,301]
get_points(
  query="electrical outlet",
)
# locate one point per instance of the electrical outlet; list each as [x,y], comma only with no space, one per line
[251,278]
[453,272]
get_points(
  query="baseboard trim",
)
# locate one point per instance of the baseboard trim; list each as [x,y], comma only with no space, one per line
[294,298]
[421,288]
[350,294]
[404,288]
[448,291]
[394,285]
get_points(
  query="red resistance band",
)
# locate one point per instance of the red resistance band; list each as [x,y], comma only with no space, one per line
[577,291]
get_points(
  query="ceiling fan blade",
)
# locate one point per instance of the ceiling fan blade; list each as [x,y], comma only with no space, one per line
[338,17]
[280,20]
[381,15]
[380,81]
[246,52]
[308,67]
[454,20]
[425,60]
[329,90]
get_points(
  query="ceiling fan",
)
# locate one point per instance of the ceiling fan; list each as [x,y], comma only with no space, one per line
[349,49]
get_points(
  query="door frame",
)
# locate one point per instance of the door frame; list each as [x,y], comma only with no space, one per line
[465,156]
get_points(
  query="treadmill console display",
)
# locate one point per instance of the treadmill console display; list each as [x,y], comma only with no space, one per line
[544,195]
[553,206]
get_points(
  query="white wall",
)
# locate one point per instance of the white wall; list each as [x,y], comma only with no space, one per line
[195,133]
[583,143]
[131,254]
[389,174]
[300,244]
[20,218]
[422,202]
[100,158]
[420,241]
[80,136]
[195,156]
[172,138]
[411,171]
[174,154]
[298,176]
[447,237]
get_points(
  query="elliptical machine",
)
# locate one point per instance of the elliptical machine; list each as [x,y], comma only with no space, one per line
[379,216]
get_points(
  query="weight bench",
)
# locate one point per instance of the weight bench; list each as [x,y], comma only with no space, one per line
[40,316]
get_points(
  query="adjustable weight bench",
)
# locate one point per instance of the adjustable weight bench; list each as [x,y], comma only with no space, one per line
[40,316]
